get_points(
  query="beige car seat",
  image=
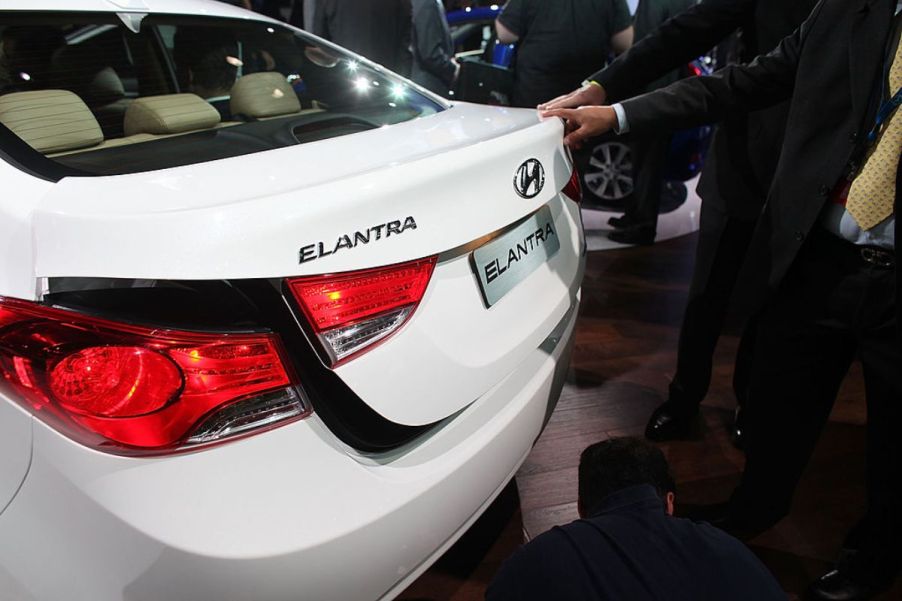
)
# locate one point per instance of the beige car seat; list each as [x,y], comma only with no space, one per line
[263,96]
[57,122]
[50,121]
[82,70]
[170,114]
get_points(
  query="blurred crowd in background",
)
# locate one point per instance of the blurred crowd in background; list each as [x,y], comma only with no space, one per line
[292,10]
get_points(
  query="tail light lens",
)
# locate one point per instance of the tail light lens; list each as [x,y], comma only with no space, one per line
[137,390]
[351,312]
[573,190]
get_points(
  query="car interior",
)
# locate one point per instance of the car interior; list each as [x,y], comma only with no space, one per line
[94,95]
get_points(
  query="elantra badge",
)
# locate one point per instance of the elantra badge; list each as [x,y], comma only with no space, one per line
[350,240]
[529,179]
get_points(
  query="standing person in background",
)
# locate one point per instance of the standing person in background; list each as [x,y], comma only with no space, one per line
[822,266]
[376,29]
[733,186]
[302,14]
[434,66]
[561,41]
[639,222]
[270,8]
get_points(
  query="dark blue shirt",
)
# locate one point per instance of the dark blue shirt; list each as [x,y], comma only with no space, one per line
[631,550]
[561,41]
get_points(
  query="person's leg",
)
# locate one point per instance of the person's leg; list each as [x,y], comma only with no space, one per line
[727,240]
[805,341]
[742,379]
[796,372]
[742,370]
[641,219]
[722,246]
[878,556]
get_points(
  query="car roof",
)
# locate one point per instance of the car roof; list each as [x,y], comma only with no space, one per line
[182,7]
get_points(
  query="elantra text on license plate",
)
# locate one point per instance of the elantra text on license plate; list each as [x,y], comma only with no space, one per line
[502,263]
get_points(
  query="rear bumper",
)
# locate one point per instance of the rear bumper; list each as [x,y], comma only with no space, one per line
[290,514]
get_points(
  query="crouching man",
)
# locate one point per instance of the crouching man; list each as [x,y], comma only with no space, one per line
[627,544]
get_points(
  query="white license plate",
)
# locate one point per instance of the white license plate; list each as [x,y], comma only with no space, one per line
[506,261]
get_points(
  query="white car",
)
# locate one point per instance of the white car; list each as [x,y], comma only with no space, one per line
[275,324]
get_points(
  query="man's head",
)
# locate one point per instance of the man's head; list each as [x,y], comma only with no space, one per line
[612,465]
[206,60]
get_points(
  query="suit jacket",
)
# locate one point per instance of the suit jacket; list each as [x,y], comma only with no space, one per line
[432,47]
[746,147]
[649,16]
[829,70]
[376,29]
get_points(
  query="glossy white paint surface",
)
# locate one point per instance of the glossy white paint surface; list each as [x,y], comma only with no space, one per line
[249,216]
[21,195]
[290,514]
[15,451]
[186,7]
[454,349]
[293,513]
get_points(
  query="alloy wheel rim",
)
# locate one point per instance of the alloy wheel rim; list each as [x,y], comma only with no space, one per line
[609,175]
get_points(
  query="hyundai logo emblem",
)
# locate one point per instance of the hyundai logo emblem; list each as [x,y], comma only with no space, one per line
[529,179]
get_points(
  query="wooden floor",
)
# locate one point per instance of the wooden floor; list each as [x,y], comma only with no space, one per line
[622,363]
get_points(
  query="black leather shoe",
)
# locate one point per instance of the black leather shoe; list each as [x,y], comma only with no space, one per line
[836,585]
[639,235]
[622,222]
[666,423]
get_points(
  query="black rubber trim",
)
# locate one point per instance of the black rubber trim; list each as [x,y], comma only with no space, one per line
[352,420]
[19,154]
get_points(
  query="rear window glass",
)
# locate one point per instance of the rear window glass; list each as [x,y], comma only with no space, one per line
[88,94]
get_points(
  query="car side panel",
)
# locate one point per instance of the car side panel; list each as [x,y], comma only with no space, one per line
[279,516]
[20,193]
[15,450]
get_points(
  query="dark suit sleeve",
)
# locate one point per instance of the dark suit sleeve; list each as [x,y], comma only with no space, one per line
[429,36]
[678,41]
[766,81]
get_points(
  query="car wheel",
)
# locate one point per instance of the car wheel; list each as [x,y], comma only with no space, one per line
[608,177]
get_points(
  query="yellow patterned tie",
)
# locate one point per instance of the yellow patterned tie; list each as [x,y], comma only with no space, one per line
[873,192]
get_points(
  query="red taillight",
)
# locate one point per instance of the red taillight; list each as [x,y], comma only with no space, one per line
[133,389]
[350,312]
[573,190]
[695,70]
[114,381]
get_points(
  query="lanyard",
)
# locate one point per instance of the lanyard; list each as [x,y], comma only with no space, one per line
[884,113]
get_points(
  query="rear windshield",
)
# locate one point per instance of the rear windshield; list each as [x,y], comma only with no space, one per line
[90,94]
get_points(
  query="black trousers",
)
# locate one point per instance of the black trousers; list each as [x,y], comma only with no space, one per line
[722,247]
[649,155]
[831,308]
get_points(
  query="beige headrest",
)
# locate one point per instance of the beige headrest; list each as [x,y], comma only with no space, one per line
[169,114]
[50,120]
[261,95]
